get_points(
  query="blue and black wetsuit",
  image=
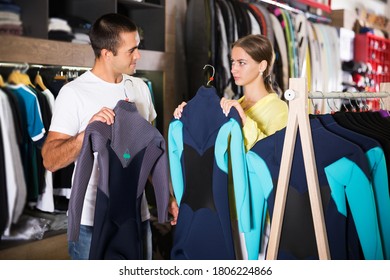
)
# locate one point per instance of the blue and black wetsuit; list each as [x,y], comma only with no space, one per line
[201,146]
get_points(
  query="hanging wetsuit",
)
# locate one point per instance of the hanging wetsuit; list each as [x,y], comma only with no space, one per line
[378,170]
[346,192]
[127,152]
[201,146]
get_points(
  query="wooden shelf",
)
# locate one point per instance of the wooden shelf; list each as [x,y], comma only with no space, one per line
[47,52]
[50,52]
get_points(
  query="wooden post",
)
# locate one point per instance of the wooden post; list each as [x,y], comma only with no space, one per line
[298,117]
[385,87]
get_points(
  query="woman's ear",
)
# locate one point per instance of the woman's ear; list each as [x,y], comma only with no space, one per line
[263,66]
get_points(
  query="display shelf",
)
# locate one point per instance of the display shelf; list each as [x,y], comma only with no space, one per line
[374,51]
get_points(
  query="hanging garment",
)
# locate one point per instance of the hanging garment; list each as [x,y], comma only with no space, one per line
[202,145]
[4,211]
[33,138]
[222,53]
[348,202]
[15,183]
[346,120]
[378,171]
[44,199]
[197,44]
[128,152]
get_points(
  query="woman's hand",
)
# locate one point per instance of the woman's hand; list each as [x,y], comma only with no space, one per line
[227,104]
[179,110]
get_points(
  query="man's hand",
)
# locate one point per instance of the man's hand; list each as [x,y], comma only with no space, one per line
[105,115]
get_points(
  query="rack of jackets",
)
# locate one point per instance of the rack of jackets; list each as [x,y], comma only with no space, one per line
[27,96]
[332,198]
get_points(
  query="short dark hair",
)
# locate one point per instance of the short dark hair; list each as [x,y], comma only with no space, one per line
[105,32]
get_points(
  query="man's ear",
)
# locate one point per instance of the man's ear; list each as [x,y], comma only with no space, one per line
[106,54]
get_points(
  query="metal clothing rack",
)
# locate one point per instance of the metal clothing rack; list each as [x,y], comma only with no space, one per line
[25,66]
[296,11]
[298,116]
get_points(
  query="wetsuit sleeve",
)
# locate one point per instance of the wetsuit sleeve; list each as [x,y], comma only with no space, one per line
[260,187]
[349,183]
[232,130]
[380,183]
[175,150]
[82,175]
[161,184]
[240,176]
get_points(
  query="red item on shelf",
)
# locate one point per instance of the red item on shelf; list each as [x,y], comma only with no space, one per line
[375,50]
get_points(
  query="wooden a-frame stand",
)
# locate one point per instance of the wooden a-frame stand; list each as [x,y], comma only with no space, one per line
[298,117]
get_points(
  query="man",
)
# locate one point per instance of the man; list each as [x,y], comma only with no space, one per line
[92,97]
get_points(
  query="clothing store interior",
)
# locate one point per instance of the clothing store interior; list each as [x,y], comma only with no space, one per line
[316,188]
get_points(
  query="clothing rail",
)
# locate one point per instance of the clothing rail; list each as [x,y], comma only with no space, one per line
[297,11]
[26,66]
[298,116]
[23,66]
[347,95]
[282,5]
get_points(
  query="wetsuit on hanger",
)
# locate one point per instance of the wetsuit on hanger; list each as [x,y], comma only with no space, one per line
[128,151]
[201,145]
[346,192]
[378,171]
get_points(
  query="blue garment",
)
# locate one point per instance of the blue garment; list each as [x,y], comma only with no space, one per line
[201,145]
[378,171]
[79,250]
[31,111]
[347,197]
[128,152]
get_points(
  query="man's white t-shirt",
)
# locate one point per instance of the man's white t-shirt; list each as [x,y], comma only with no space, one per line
[83,97]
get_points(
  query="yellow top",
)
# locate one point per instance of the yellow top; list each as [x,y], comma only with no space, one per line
[264,118]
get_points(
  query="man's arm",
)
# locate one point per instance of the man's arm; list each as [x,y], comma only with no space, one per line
[60,150]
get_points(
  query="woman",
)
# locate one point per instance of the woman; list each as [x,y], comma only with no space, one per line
[261,110]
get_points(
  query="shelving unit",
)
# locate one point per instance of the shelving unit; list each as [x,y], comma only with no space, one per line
[158,55]
[375,50]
